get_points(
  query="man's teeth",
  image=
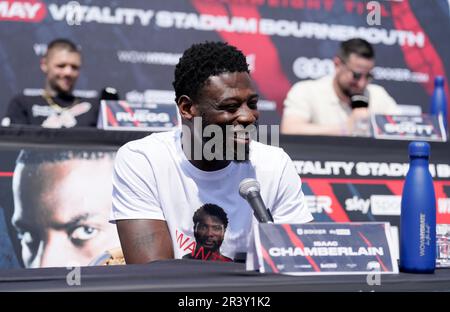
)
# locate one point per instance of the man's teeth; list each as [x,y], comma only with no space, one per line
[242,135]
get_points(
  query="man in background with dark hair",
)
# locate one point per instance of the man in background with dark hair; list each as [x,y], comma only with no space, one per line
[160,181]
[57,107]
[62,202]
[210,225]
[324,106]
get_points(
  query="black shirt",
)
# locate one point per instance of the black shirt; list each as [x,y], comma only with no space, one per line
[54,112]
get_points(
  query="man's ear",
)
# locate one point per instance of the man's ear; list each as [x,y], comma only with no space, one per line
[44,66]
[337,62]
[187,107]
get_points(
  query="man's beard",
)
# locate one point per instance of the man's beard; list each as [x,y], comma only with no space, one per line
[349,92]
[201,244]
[59,91]
[345,90]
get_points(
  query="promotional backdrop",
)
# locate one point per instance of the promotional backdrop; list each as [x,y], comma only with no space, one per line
[133,45]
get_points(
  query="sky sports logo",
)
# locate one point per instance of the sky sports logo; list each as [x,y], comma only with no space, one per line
[22,11]
[385,205]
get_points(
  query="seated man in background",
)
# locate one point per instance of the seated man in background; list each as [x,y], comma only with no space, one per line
[62,202]
[160,181]
[57,107]
[324,106]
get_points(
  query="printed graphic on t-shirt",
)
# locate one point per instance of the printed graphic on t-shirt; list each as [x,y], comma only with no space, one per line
[62,117]
[210,225]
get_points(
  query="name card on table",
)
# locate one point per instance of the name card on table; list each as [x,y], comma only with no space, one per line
[401,127]
[122,115]
[443,245]
[323,248]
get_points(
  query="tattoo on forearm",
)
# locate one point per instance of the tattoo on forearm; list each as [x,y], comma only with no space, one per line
[143,241]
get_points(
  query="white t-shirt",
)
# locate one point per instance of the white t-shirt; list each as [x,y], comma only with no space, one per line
[317,102]
[154,180]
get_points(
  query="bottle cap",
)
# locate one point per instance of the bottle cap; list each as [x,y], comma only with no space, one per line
[419,149]
[439,81]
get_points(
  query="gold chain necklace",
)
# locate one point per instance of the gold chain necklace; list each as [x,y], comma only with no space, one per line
[57,108]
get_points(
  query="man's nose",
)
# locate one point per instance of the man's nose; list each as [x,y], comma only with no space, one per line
[69,71]
[247,116]
[362,82]
[209,232]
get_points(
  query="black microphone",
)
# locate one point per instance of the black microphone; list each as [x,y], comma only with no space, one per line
[359,100]
[249,190]
[109,93]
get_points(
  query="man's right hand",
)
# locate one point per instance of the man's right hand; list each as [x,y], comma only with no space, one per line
[358,122]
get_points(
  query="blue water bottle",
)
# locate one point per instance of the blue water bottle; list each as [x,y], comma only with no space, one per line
[418,214]
[439,100]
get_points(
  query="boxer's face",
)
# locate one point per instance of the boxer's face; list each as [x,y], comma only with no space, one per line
[62,68]
[209,233]
[354,74]
[62,210]
[230,99]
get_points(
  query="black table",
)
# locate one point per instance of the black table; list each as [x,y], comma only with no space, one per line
[200,276]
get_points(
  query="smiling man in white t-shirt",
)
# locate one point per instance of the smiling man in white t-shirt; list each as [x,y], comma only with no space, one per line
[160,181]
